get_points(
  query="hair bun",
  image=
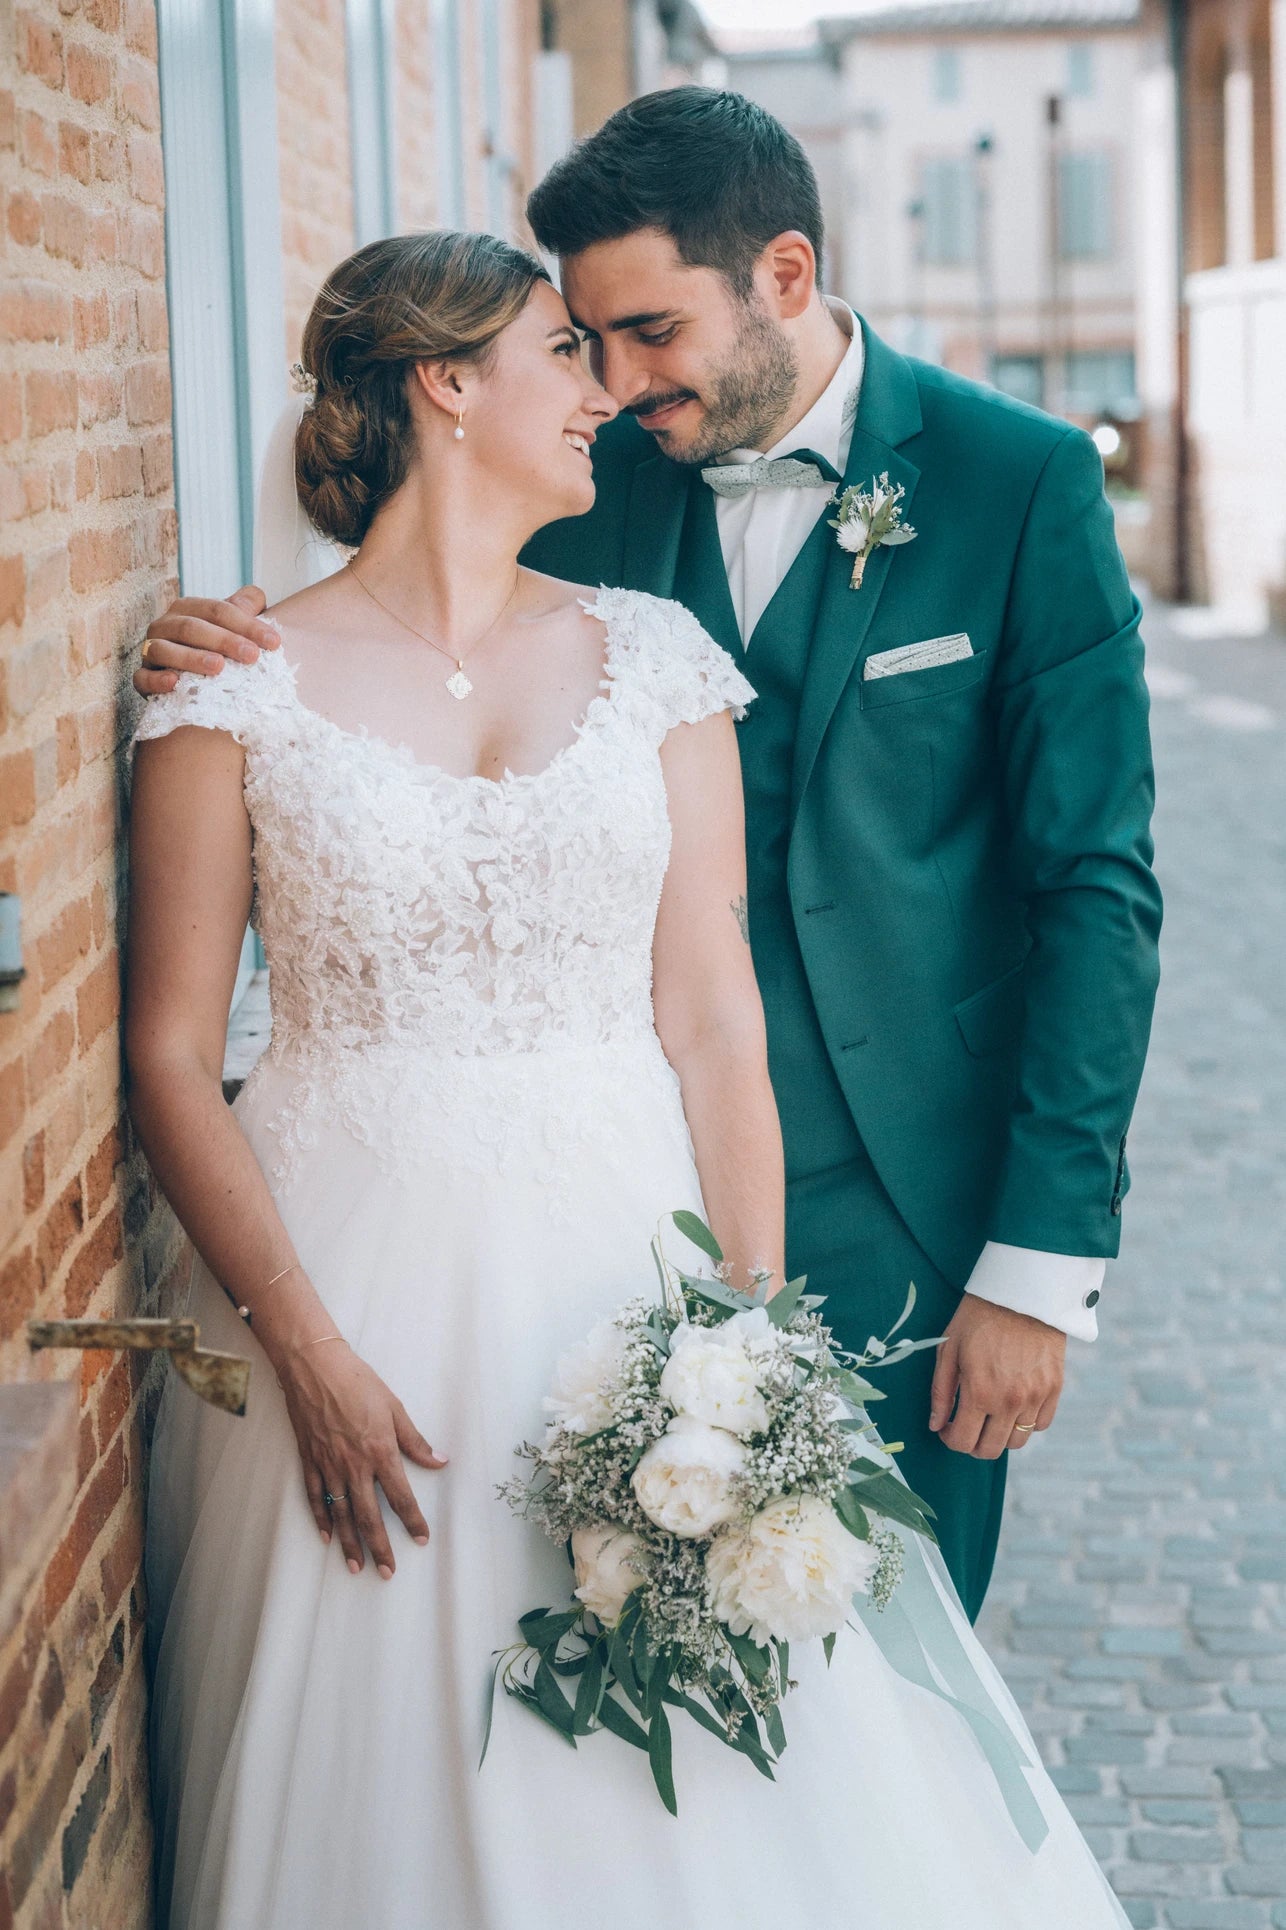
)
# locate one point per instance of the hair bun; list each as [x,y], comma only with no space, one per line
[407,299]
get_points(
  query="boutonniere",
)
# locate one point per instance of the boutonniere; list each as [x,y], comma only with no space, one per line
[868,518]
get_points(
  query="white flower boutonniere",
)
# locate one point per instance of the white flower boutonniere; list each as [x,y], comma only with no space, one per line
[867,519]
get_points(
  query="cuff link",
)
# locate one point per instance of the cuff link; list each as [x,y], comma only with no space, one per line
[1091,1298]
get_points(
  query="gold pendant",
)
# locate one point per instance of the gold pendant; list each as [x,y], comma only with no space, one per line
[459,685]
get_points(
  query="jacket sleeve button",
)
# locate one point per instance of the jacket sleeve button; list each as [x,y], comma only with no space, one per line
[1092,1298]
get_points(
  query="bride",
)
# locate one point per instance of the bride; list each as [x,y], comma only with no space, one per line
[491,828]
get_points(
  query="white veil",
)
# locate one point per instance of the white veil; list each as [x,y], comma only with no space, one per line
[289,553]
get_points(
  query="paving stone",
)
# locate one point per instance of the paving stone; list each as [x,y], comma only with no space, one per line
[1179,1846]
[1213,1913]
[1189,1814]
[1257,1879]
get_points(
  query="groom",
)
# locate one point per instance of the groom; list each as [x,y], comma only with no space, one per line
[948,778]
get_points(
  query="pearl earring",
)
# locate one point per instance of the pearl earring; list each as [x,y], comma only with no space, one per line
[459,426]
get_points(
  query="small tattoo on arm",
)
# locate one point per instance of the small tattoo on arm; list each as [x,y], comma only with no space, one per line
[741,913]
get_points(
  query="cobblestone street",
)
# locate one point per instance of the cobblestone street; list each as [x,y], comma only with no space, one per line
[1139,1607]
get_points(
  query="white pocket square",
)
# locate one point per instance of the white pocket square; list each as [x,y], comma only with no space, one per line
[917,656]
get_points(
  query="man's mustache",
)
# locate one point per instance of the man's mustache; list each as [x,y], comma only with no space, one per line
[651,403]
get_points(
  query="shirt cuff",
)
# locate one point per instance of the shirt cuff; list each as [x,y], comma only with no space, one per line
[1058,1288]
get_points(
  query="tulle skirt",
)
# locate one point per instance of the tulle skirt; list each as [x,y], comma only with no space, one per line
[316,1735]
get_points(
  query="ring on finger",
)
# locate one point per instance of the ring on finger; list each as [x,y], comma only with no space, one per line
[145,654]
[1025,1427]
[331,1499]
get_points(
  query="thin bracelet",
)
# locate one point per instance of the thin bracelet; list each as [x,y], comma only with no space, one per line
[245,1311]
[311,1343]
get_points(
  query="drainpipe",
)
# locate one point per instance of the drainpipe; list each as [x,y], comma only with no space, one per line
[1181,576]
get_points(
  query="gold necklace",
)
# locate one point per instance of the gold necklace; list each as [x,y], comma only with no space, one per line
[458,684]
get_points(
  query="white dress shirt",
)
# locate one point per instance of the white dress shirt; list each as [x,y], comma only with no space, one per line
[761,533]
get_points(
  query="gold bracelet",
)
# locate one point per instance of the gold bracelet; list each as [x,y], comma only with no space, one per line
[311,1343]
[245,1311]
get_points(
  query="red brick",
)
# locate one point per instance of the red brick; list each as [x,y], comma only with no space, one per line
[114,1397]
[13,1099]
[62,1227]
[19,1290]
[120,471]
[158,464]
[35,311]
[91,1517]
[85,475]
[107,151]
[51,401]
[101,1252]
[87,1437]
[40,49]
[20,1679]
[38,143]
[123,1561]
[74,151]
[141,240]
[140,99]
[10,408]
[98,557]
[63,942]
[66,228]
[68,751]
[22,217]
[104,14]
[98,1001]
[51,1053]
[100,1172]
[140,26]
[33,1173]
[46,581]
[90,320]
[147,168]
[8,120]
[17,786]
[89,74]
[100,397]
[13,589]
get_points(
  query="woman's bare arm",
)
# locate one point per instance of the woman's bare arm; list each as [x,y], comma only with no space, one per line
[708,1011]
[190,891]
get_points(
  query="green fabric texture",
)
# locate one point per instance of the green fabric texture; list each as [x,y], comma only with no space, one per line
[984,970]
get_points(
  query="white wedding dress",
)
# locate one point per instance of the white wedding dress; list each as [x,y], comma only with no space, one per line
[472,1133]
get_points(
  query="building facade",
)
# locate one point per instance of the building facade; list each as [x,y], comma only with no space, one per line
[1212,311]
[177,176]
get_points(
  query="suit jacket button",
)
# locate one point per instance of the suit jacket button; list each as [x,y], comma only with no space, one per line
[1092,1298]
[1116,1209]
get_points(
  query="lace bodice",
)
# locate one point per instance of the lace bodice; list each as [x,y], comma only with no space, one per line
[409,913]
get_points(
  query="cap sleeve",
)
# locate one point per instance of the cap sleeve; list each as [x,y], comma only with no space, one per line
[244,699]
[675,663]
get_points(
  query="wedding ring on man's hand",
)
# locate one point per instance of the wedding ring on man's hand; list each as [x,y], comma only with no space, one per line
[1025,1427]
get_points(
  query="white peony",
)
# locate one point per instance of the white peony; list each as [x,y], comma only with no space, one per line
[712,1373]
[583,1377]
[609,1567]
[789,1573]
[683,1482]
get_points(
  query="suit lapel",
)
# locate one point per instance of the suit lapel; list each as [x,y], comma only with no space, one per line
[653,526]
[888,414]
[701,577]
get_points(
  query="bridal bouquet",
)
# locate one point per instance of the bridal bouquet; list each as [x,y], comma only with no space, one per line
[710,1466]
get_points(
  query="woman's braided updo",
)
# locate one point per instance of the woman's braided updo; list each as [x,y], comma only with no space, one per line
[408,299]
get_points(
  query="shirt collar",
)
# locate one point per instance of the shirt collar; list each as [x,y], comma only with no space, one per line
[828,426]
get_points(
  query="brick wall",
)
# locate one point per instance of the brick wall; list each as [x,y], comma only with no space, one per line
[314,156]
[87,554]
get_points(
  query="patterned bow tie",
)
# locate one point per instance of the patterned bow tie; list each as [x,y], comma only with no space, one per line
[801,469]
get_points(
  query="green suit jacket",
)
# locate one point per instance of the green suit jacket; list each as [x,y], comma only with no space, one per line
[969,862]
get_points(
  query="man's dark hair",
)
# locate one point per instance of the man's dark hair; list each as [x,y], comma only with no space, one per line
[711,169]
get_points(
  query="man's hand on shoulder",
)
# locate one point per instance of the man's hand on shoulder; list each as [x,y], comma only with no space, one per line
[1002,1374]
[196,633]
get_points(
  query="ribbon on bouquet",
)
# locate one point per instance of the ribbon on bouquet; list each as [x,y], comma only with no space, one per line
[917,1637]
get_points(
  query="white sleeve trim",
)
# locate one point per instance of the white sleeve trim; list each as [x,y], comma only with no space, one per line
[1053,1287]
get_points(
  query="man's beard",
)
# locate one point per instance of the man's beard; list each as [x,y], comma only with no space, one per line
[749,392]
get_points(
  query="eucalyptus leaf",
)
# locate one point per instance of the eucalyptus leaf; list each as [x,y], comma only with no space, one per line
[589,1692]
[905,1314]
[613,1717]
[754,1660]
[522,1693]
[659,1755]
[696,1230]
[783,1305]
[850,1512]
[552,1701]
[828,1644]
[775,1729]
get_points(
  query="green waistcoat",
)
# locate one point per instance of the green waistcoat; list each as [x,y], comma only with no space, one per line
[817,1125]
